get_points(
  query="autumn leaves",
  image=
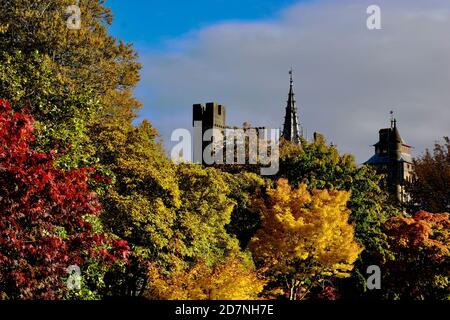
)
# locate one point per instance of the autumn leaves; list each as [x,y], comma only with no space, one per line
[305,236]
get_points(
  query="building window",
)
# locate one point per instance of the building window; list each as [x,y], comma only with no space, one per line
[220,110]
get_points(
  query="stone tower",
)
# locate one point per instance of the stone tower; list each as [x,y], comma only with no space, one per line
[291,125]
[211,116]
[393,160]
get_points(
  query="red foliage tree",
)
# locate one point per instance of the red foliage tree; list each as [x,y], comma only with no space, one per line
[420,268]
[43,229]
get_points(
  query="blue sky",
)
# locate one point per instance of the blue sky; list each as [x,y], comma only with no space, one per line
[347,77]
[151,22]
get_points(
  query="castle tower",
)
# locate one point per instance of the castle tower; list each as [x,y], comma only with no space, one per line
[291,130]
[211,116]
[393,160]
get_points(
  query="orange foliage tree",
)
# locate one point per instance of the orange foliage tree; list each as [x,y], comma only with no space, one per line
[420,268]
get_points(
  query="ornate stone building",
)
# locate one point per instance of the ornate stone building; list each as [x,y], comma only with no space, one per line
[213,116]
[393,160]
[392,157]
[209,116]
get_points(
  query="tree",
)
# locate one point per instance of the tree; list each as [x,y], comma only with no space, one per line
[139,204]
[305,237]
[420,267]
[429,189]
[244,220]
[78,85]
[204,212]
[234,278]
[71,79]
[173,215]
[319,166]
[45,212]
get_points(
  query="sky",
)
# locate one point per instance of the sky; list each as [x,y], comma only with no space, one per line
[152,22]
[347,77]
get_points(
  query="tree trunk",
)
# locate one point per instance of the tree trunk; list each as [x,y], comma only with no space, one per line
[293,290]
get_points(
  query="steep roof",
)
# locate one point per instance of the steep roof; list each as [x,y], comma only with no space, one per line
[291,130]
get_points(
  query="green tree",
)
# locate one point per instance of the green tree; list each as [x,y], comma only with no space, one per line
[204,212]
[77,84]
[139,203]
[69,78]
[172,215]
[245,221]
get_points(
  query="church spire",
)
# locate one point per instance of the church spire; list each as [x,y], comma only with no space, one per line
[291,126]
[291,74]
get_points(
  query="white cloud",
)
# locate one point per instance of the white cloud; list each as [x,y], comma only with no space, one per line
[347,78]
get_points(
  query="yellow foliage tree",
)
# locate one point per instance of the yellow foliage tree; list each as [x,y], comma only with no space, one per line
[305,236]
[233,279]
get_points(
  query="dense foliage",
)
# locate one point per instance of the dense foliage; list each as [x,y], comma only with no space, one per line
[44,226]
[429,189]
[83,183]
[232,279]
[320,166]
[420,268]
[70,79]
[305,237]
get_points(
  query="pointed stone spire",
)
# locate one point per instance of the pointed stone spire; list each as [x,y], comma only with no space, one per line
[291,130]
